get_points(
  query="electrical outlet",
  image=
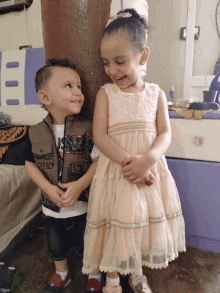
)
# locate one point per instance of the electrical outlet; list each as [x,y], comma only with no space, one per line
[183,33]
[198,140]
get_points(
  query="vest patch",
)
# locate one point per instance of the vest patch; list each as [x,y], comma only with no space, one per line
[44,162]
[79,168]
[78,144]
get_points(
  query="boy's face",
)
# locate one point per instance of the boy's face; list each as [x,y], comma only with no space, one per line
[64,91]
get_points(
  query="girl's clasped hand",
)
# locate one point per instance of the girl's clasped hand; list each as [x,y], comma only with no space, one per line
[136,169]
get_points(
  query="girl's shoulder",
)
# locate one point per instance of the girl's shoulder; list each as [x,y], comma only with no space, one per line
[152,87]
[153,91]
[107,85]
[108,88]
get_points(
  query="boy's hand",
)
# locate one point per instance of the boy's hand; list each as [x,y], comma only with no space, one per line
[135,168]
[73,191]
[55,194]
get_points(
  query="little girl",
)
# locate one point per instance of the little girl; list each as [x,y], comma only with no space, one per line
[130,224]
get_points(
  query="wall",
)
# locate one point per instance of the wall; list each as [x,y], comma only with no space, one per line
[166,17]
[166,63]
[13,31]
[16,34]
[205,18]
[140,5]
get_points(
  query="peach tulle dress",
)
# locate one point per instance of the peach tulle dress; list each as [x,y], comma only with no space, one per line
[127,226]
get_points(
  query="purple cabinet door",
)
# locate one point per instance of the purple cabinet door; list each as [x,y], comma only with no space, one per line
[199,190]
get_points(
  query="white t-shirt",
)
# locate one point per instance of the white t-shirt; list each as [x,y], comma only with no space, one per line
[81,207]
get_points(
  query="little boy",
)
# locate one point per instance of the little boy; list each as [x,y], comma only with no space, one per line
[58,160]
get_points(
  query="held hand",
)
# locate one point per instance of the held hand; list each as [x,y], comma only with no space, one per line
[135,168]
[147,180]
[73,191]
[55,194]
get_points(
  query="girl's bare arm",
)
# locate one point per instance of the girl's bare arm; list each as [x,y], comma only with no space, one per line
[104,142]
[163,139]
[138,165]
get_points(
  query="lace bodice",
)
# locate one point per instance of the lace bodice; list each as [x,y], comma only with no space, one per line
[132,107]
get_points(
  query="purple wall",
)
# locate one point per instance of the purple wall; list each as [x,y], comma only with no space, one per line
[34,61]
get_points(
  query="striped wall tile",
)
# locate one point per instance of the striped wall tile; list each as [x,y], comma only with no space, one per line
[10,83]
[13,78]
[12,64]
[12,102]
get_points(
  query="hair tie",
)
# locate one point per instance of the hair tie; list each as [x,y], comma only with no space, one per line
[122,15]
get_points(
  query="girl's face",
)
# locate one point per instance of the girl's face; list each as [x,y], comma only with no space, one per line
[122,62]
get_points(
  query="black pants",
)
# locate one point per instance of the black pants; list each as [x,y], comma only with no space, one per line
[62,234]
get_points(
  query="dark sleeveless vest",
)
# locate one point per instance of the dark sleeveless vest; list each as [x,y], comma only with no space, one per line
[78,145]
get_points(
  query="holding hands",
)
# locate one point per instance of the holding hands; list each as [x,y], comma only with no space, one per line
[136,170]
[73,191]
[67,198]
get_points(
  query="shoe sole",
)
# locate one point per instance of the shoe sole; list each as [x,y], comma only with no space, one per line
[132,287]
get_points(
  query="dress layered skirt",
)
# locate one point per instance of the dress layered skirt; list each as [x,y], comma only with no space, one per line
[130,226]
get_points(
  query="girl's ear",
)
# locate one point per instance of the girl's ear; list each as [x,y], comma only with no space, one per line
[145,55]
[44,98]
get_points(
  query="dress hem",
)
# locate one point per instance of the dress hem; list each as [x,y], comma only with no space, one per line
[144,263]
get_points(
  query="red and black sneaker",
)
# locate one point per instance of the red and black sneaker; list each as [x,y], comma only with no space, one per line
[93,285]
[56,284]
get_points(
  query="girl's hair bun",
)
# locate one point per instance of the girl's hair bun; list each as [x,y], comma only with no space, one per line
[135,15]
[131,21]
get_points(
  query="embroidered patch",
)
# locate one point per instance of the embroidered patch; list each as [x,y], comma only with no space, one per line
[77,144]
[49,204]
[79,168]
[45,161]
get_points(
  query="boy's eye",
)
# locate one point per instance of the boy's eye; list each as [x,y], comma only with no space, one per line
[68,85]
[79,87]
[120,62]
[105,63]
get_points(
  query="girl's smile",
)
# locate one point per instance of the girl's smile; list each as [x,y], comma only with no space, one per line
[122,62]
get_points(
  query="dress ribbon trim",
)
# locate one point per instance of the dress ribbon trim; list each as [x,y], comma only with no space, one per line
[131,126]
[132,225]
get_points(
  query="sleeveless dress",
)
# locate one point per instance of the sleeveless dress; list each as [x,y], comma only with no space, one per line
[128,226]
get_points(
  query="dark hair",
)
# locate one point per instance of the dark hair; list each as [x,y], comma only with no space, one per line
[135,25]
[44,74]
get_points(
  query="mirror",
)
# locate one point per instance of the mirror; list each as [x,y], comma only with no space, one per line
[201,55]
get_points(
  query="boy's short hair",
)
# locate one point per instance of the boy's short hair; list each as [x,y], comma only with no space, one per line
[44,74]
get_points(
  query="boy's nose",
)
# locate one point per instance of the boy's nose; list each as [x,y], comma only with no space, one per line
[77,92]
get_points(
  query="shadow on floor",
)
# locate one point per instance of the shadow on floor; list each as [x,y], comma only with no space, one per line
[194,271]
